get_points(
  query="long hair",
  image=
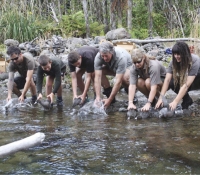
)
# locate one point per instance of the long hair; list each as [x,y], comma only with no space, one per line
[180,69]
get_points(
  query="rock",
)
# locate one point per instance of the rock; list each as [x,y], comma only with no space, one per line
[116,34]
[3,76]
[11,42]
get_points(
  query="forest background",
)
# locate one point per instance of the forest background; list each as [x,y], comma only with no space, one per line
[24,20]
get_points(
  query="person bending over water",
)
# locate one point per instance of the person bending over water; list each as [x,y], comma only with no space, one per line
[53,68]
[182,76]
[147,76]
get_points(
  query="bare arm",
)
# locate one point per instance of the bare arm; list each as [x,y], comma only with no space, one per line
[116,87]
[97,84]
[10,85]
[164,88]
[74,84]
[181,92]
[29,77]
[87,84]
[131,95]
[150,98]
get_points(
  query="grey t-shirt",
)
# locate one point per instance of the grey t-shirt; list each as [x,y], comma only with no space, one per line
[155,72]
[194,68]
[29,63]
[120,61]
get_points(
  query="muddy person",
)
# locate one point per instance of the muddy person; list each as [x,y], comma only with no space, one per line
[81,62]
[26,66]
[54,69]
[147,75]
[183,75]
[112,61]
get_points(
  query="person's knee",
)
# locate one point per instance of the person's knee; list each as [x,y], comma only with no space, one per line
[140,83]
[148,84]
[125,81]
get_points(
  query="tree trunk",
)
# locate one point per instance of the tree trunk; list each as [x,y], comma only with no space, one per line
[180,24]
[105,15]
[119,12]
[129,15]
[85,9]
[150,11]
[112,15]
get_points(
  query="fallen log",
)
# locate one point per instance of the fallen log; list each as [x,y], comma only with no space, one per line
[25,143]
[138,41]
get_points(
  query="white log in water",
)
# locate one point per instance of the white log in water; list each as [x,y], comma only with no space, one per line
[25,143]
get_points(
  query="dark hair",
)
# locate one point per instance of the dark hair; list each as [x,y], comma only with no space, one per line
[182,49]
[181,68]
[73,57]
[13,50]
[44,60]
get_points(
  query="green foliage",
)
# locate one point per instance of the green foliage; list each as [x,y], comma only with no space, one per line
[96,29]
[17,26]
[139,33]
[74,25]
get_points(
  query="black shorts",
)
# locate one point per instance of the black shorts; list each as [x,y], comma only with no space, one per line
[20,81]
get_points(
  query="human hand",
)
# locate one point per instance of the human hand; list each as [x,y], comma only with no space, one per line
[8,98]
[146,107]
[159,103]
[21,98]
[82,98]
[173,105]
[39,96]
[106,103]
[51,96]
[131,106]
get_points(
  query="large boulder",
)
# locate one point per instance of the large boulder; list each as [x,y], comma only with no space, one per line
[74,43]
[116,34]
[11,42]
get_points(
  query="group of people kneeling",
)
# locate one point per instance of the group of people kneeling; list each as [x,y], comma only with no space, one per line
[135,71]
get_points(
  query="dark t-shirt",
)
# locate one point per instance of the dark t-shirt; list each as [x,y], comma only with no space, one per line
[29,63]
[56,66]
[88,54]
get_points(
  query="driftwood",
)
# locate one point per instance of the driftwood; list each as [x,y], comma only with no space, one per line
[25,143]
[138,41]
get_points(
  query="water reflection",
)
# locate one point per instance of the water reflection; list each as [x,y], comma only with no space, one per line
[100,144]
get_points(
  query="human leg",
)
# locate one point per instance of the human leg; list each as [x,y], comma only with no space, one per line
[18,84]
[59,99]
[33,91]
[80,82]
[141,86]
[107,89]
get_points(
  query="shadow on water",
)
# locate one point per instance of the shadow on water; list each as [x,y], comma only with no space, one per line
[100,144]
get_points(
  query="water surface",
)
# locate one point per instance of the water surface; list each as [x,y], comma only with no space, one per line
[100,144]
